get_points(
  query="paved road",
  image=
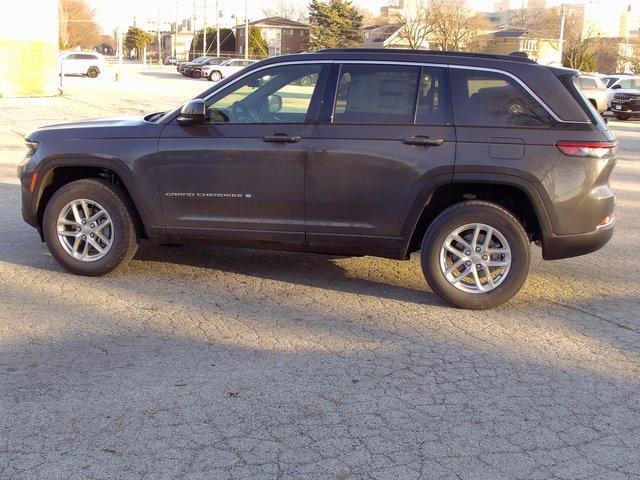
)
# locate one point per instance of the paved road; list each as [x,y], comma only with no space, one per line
[202,362]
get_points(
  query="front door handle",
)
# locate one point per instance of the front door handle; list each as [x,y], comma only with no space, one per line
[281,138]
[424,141]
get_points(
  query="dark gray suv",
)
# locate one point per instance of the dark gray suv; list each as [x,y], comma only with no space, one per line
[466,158]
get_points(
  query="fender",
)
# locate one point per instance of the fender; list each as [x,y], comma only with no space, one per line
[49,164]
[534,191]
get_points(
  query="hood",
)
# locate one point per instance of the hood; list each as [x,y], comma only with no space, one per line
[120,127]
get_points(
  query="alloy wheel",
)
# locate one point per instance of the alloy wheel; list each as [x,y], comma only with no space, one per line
[475,258]
[85,230]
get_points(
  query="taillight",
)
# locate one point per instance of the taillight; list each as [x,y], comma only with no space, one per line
[586,149]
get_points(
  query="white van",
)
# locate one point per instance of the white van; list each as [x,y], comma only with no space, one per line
[82,63]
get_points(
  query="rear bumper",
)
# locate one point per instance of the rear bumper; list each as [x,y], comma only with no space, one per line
[555,247]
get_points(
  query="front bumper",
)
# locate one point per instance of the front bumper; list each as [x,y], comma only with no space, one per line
[625,107]
[555,247]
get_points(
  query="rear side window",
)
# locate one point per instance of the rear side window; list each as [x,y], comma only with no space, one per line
[483,98]
[376,94]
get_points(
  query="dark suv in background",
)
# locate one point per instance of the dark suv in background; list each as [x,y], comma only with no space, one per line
[466,158]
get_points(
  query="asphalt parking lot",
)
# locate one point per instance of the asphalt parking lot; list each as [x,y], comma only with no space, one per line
[207,362]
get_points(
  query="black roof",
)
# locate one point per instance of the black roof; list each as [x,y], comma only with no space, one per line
[406,51]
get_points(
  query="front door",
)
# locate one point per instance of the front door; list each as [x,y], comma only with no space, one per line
[384,140]
[241,175]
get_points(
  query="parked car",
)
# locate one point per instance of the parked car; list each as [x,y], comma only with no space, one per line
[90,64]
[595,90]
[171,61]
[195,69]
[621,83]
[465,158]
[182,65]
[626,104]
[215,73]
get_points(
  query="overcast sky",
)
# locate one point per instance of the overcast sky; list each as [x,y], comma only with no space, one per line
[113,12]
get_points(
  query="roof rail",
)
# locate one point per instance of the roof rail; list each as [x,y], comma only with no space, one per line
[404,51]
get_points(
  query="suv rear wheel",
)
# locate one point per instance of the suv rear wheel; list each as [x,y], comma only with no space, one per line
[88,227]
[475,255]
[93,72]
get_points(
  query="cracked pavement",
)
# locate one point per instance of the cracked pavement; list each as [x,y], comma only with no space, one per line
[205,362]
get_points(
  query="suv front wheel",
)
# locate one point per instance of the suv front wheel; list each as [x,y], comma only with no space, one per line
[88,227]
[475,255]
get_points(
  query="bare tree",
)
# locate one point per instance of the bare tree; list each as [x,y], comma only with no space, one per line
[77,24]
[454,26]
[416,27]
[284,9]
[580,48]
[633,60]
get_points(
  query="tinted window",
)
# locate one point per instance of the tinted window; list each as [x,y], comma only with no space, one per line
[488,98]
[433,98]
[273,95]
[376,94]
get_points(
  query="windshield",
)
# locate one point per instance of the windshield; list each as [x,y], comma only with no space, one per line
[608,81]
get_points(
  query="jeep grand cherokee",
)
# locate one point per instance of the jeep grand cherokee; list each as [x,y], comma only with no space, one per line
[466,158]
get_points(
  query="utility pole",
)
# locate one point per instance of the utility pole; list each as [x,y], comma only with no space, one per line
[217,30]
[561,39]
[175,38]
[159,38]
[246,29]
[193,25]
[204,28]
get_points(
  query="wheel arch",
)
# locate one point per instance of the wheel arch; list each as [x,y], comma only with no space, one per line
[516,195]
[61,171]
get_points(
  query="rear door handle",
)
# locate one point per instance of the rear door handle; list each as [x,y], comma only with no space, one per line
[281,138]
[425,141]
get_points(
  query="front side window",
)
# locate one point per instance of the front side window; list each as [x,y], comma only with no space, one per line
[376,94]
[274,95]
[483,98]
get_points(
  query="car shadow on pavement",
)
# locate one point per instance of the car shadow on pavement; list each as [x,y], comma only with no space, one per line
[367,276]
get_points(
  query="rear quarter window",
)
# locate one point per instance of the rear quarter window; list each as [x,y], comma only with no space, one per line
[482,98]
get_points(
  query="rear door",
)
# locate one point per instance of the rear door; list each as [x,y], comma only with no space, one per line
[384,139]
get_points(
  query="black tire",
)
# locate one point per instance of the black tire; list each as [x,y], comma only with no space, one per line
[93,72]
[115,201]
[215,76]
[476,212]
[622,116]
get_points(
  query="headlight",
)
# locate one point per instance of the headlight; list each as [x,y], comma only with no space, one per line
[32,147]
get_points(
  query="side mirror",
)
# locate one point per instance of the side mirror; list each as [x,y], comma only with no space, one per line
[275,103]
[192,113]
[616,87]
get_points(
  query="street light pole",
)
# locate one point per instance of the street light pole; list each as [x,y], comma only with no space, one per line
[246,29]
[561,39]
[217,30]
[204,28]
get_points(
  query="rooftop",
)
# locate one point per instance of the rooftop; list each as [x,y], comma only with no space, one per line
[404,51]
